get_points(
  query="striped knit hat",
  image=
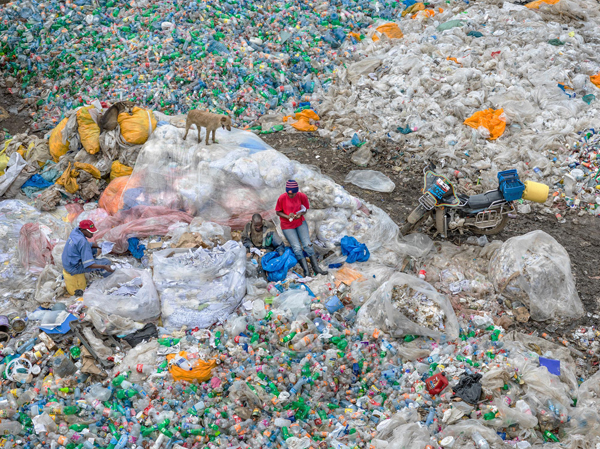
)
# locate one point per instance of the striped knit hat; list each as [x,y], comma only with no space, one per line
[291,186]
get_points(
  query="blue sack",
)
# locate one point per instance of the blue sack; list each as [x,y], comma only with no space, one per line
[277,266]
[136,248]
[356,251]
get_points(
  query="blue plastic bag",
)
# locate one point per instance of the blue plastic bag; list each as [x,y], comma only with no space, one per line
[136,248]
[356,251]
[277,266]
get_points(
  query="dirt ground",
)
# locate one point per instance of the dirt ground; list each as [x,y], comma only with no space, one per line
[579,235]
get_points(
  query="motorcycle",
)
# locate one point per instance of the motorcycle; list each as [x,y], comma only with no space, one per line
[483,214]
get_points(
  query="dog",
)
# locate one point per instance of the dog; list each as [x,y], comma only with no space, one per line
[109,120]
[207,119]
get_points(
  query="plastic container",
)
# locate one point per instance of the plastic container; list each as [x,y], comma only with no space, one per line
[510,185]
[535,191]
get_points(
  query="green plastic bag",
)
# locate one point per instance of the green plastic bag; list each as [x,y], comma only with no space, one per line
[449,25]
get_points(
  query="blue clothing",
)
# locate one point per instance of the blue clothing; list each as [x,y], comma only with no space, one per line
[299,238]
[78,255]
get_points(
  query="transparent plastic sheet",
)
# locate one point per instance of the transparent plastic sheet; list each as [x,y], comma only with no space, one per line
[380,312]
[49,284]
[536,270]
[200,287]
[143,305]
[140,222]
[143,354]
[525,342]
[35,250]
[111,324]
[294,301]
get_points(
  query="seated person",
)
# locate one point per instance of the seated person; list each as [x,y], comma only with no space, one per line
[78,255]
[260,237]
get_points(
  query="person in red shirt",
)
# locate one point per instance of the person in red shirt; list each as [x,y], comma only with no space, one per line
[291,208]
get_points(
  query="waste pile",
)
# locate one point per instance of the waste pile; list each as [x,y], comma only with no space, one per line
[405,343]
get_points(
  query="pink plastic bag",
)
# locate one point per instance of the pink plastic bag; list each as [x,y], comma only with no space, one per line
[140,222]
[35,250]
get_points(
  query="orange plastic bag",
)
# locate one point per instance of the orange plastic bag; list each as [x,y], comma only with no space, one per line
[112,197]
[595,80]
[117,170]
[347,276]
[391,30]
[201,372]
[453,59]
[492,120]
[537,3]
[69,180]
[355,35]
[57,148]
[137,128]
[304,117]
[89,131]
[89,168]
[424,14]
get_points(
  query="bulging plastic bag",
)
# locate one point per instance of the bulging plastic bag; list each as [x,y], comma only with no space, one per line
[137,128]
[200,287]
[536,270]
[111,324]
[379,311]
[137,299]
[57,147]
[89,131]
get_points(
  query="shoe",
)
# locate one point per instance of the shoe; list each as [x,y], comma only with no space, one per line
[304,267]
[315,265]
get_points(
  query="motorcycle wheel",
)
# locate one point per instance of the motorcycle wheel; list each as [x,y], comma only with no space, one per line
[418,215]
[492,231]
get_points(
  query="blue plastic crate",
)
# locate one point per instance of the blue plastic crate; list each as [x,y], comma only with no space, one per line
[510,185]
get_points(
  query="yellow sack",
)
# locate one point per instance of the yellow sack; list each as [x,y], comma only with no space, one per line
[413,8]
[304,117]
[4,158]
[89,168]
[57,148]
[68,180]
[137,128]
[594,79]
[74,282]
[492,120]
[117,170]
[391,30]
[201,372]
[537,3]
[355,35]
[89,131]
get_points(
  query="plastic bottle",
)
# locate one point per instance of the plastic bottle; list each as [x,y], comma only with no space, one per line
[480,442]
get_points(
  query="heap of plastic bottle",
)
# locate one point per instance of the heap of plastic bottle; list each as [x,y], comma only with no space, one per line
[314,380]
[241,57]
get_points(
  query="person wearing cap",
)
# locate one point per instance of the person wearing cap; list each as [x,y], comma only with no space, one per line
[78,255]
[291,208]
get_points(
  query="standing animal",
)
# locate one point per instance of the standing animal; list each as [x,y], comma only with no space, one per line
[207,119]
[109,120]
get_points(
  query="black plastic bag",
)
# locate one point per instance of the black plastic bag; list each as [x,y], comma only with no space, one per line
[468,388]
[146,333]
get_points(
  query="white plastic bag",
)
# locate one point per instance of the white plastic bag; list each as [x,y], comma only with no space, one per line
[143,305]
[371,180]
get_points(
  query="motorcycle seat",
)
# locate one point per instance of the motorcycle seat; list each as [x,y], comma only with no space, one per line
[484,200]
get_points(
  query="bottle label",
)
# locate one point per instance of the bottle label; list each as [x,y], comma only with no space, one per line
[140,368]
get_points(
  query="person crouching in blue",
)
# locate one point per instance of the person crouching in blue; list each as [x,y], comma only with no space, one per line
[78,255]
